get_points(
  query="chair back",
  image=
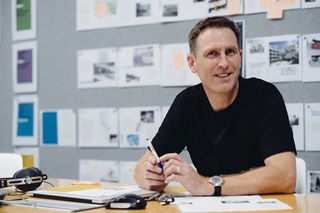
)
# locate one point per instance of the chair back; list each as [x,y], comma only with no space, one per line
[301,183]
[9,164]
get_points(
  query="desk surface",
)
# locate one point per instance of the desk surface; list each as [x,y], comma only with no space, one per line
[300,203]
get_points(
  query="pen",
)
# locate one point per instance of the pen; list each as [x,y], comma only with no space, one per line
[155,155]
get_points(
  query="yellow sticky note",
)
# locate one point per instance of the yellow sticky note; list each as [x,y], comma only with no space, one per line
[177,60]
[28,160]
[234,7]
[275,10]
[101,10]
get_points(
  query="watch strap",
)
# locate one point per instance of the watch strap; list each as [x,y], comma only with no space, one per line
[217,191]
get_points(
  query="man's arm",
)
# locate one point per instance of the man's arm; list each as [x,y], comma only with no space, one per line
[148,174]
[277,176]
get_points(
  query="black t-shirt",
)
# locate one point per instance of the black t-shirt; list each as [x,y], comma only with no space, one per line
[254,127]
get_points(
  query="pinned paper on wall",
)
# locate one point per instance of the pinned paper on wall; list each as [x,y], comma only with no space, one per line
[58,127]
[234,7]
[30,156]
[312,123]
[23,19]
[25,120]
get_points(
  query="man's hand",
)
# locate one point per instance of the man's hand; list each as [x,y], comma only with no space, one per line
[176,169]
[148,174]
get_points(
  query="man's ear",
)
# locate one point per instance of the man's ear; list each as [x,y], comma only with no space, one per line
[192,63]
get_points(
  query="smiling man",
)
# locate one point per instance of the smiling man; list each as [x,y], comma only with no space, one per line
[236,130]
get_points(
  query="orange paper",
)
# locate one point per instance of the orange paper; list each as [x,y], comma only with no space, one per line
[234,7]
[275,10]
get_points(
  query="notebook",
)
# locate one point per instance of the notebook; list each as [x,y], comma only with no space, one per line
[90,195]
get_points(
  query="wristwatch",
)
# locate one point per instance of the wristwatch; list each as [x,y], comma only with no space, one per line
[216,181]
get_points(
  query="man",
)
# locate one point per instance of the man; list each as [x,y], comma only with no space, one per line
[236,130]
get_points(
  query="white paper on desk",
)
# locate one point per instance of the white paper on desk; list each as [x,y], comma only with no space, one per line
[226,204]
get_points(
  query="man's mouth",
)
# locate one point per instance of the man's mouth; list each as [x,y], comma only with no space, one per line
[223,75]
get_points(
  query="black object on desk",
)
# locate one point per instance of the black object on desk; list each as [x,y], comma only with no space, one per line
[126,201]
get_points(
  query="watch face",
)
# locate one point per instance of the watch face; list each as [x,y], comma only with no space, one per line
[216,180]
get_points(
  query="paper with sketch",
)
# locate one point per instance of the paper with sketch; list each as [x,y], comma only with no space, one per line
[127,172]
[58,127]
[175,70]
[24,67]
[138,12]
[23,19]
[98,127]
[25,120]
[312,123]
[181,10]
[274,59]
[296,119]
[228,203]
[96,14]
[98,170]
[311,57]
[138,124]
[139,65]
[97,68]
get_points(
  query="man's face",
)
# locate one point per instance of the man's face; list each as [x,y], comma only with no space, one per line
[217,60]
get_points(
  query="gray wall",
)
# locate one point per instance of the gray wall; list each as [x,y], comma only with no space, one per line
[58,42]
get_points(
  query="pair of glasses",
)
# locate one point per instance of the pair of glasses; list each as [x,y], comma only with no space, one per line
[163,198]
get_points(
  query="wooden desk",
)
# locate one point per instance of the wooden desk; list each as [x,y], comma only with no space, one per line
[299,203]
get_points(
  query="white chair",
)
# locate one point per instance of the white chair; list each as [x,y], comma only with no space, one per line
[301,184]
[9,164]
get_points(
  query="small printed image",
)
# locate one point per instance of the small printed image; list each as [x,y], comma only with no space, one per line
[313,53]
[147,116]
[132,78]
[133,140]
[143,10]
[294,120]
[143,56]
[314,181]
[215,5]
[113,138]
[103,71]
[284,53]
[256,46]
[170,10]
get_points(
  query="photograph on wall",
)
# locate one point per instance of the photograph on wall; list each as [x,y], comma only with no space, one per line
[310,4]
[296,119]
[23,17]
[137,124]
[98,127]
[97,68]
[175,70]
[313,182]
[274,59]
[138,12]
[30,156]
[25,120]
[24,67]
[139,65]
[312,126]
[58,128]
[98,170]
[182,10]
[93,15]
[311,57]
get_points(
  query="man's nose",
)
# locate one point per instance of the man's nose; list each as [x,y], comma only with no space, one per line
[223,61]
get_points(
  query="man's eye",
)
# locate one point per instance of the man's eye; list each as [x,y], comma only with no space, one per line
[212,53]
[230,52]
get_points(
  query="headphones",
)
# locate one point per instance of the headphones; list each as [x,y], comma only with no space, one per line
[25,179]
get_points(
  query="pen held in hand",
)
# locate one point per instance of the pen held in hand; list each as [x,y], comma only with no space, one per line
[155,155]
